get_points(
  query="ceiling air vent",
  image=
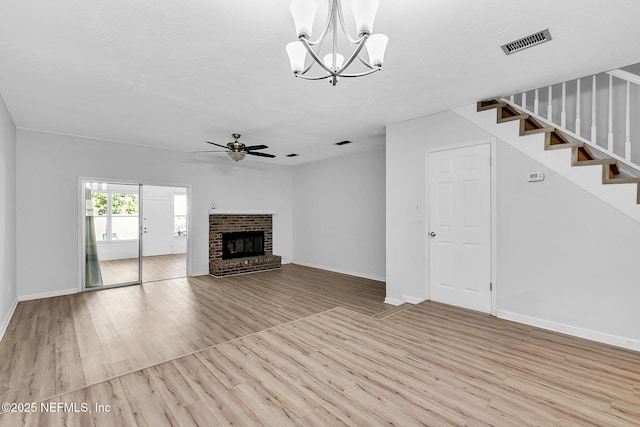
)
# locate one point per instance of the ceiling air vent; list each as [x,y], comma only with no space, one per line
[343,142]
[293,155]
[526,42]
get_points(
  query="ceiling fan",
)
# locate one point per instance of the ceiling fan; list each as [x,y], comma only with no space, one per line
[237,150]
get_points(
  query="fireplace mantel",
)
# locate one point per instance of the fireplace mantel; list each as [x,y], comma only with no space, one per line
[240,212]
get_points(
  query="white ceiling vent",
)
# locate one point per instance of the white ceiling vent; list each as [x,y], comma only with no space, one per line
[525,42]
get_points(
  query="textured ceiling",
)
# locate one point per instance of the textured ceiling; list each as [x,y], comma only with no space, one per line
[172,73]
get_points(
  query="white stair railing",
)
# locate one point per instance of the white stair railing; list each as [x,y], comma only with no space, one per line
[601,110]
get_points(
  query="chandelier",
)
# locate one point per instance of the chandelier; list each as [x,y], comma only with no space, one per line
[333,64]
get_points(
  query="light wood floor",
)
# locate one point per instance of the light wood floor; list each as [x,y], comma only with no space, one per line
[301,346]
[159,267]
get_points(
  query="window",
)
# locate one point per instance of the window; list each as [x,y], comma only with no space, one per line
[115,215]
[180,215]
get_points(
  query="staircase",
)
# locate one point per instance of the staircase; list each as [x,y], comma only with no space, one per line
[581,155]
[613,178]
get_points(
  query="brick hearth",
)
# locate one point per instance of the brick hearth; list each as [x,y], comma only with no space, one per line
[227,223]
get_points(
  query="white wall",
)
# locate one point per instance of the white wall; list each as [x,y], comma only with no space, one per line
[8,295]
[339,214]
[49,166]
[566,260]
[406,146]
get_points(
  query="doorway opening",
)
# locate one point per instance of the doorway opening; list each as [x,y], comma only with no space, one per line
[132,233]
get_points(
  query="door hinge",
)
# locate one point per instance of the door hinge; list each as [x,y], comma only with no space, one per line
[490,286]
[490,161]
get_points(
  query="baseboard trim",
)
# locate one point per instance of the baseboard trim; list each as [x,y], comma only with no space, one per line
[48,294]
[615,340]
[412,300]
[339,270]
[198,273]
[7,318]
[405,299]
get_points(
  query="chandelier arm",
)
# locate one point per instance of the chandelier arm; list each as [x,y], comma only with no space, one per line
[354,55]
[313,78]
[322,36]
[344,28]
[364,73]
[316,57]
[367,64]
[308,67]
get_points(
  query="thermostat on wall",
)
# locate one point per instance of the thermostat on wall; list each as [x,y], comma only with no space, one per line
[535,176]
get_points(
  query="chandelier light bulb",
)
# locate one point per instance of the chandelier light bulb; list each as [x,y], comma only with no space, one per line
[376,47]
[364,13]
[328,60]
[297,56]
[303,13]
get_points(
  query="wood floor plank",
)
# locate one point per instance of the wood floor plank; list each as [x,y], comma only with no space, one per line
[147,404]
[225,407]
[119,412]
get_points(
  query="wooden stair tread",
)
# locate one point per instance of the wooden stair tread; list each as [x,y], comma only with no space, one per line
[595,162]
[489,104]
[563,145]
[626,180]
[507,113]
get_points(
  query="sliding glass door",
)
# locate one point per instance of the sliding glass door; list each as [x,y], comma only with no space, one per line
[132,234]
[111,234]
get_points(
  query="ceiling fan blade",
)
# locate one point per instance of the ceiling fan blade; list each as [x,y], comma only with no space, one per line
[218,145]
[255,147]
[209,151]
[259,154]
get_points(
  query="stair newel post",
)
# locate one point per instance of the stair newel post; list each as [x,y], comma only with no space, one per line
[610,133]
[524,101]
[578,107]
[563,113]
[627,140]
[535,102]
[550,104]
[593,111]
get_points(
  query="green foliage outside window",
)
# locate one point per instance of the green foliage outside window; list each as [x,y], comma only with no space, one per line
[99,203]
[121,203]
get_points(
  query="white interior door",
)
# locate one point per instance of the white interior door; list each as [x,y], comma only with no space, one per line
[157,226]
[459,234]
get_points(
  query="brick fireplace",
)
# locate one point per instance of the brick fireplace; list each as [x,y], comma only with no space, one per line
[237,224]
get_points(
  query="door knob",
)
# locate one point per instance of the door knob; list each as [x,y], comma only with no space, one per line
[432,234]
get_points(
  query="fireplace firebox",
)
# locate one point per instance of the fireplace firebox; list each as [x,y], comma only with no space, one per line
[241,244]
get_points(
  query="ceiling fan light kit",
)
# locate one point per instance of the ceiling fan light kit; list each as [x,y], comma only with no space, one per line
[236,155]
[333,64]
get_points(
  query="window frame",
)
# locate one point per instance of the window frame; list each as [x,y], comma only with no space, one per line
[110,215]
[176,216]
